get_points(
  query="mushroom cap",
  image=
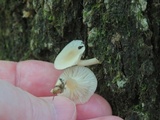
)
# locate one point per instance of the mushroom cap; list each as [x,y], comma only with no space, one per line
[70,55]
[80,84]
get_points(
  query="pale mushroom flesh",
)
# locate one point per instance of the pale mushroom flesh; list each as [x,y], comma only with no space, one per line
[76,83]
[70,55]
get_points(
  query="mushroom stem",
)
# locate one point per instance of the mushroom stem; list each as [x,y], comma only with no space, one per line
[88,62]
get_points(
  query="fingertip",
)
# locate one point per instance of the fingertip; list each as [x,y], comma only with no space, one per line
[107,118]
[113,118]
[65,109]
[97,106]
[102,102]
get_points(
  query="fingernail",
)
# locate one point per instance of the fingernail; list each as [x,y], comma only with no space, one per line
[65,109]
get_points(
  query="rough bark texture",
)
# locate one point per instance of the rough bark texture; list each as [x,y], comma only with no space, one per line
[125,35]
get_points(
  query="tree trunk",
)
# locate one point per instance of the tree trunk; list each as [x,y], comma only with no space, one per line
[124,35]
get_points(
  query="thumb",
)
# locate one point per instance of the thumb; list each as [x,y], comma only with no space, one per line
[17,104]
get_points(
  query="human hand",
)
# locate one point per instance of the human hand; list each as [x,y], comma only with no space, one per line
[25,95]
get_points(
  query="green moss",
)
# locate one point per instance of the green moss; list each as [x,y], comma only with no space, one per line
[138,7]
[120,80]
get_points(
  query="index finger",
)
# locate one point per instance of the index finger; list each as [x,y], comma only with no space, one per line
[36,77]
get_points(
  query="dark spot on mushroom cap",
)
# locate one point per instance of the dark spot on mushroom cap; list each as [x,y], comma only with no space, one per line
[80,47]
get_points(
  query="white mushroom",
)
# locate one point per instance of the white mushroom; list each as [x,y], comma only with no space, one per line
[76,83]
[88,62]
[71,55]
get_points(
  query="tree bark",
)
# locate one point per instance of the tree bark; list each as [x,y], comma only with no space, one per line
[123,35]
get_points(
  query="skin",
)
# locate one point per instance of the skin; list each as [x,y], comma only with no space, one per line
[25,95]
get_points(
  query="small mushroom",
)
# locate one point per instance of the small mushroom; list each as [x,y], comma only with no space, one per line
[77,83]
[71,55]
